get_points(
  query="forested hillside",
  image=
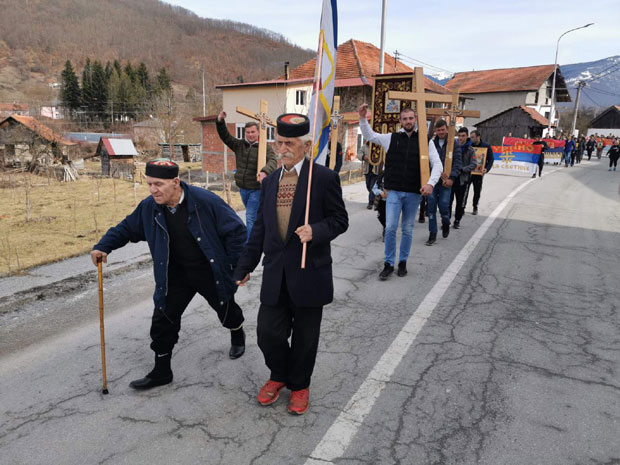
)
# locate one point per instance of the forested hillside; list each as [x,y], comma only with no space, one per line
[38,36]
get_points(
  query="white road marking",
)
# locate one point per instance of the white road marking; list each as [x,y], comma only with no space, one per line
[338,437]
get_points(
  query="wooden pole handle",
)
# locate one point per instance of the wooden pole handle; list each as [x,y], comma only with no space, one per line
[101,327]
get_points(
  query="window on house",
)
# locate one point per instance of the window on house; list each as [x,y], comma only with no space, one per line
[240,131]
[300,97]
[547,114]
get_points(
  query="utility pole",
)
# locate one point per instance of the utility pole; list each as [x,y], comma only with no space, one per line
[382,53]
[204,98]
[580,86]
[395,58]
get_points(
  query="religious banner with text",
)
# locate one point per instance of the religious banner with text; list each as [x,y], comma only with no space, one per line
[553,154]
[385,111]
[521,158]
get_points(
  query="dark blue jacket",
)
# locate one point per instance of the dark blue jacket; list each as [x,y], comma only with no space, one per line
[468,160]
[312,286]
[218,231]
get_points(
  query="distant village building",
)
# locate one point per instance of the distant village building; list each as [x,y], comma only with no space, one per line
[608,122]
[519,121]
[51,112]
[23,139]
[148,134]
[8,109]
[117,157]
[181,152]
[496,90]
[357,63]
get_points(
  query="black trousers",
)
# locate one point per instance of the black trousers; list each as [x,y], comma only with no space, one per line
[381,212]
[476,182]
[459,191]
[292,363]
[423,207]
[613,161]
[540,167]
[371,178]
[183,284]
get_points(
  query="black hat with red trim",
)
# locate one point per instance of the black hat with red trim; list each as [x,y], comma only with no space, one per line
[293,125]
[162,169]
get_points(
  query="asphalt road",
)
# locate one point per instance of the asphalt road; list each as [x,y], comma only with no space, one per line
[514,355]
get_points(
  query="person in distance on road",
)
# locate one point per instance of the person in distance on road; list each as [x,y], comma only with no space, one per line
[292,298]
[541,159]
[195,239]
[590,146]
[476,181]
[246,157]
[441,192]
[614,154]
[461,187]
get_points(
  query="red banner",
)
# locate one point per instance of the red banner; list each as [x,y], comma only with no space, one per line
[523,145]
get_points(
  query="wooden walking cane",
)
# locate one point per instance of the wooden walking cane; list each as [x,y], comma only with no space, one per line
[101,330]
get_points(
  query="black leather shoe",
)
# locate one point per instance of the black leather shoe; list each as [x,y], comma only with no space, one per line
[445,230]
[369,207]
[237,346]
[148,383]
[457,224]
[387,271]
[432,237]
[475,212]
[421,219]
[402,269]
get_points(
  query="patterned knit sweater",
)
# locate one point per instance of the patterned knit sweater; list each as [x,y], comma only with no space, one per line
[284,201]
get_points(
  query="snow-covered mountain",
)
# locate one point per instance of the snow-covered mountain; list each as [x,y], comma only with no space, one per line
[602,82]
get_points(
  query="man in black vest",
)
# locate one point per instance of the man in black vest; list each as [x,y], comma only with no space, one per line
[476,181]
[292,298]
[441,193]
[195,240]
[403,183]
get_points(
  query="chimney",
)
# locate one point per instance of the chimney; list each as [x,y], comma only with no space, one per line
[287,71]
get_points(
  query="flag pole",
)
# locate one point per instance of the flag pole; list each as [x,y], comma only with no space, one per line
[317,80]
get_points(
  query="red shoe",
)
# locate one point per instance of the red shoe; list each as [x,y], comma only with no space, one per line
[298,404]
[270,392]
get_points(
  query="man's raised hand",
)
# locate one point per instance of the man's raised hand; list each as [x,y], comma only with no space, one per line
[362,110]
[221,116]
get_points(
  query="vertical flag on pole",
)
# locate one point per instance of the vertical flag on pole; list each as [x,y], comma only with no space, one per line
[324,89]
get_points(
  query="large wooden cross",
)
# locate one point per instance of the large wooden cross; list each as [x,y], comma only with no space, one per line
[452,112]
[420,98]
[335,119]
[263,121]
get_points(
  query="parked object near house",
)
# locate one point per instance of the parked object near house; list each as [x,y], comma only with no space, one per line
[117,157]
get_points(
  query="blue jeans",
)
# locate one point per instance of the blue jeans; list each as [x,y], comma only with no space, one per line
[251,199]
[441,197]
[406,203]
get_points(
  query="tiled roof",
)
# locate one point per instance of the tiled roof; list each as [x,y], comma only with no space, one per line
[535,115]
[501,80]
[540,119]
[13,107]
[357,59]
[41,130]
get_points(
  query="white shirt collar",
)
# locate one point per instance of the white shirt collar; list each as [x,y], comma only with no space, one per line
[297,168]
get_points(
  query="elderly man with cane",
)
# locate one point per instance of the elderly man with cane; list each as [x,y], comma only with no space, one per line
[195,239]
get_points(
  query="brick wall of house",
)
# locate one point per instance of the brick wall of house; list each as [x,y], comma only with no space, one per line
[213,149]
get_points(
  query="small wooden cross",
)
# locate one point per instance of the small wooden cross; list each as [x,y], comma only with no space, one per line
[420,98]
[335,119]
[263,121]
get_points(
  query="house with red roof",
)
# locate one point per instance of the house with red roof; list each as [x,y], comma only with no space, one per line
[117,157]
[495,90]
[357,64]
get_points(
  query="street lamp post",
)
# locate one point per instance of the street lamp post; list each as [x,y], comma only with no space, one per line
[555,71]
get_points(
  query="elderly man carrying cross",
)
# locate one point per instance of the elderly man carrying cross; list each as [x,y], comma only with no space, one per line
[402,181]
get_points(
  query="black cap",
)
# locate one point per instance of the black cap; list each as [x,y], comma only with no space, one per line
[162,169]
[293,125]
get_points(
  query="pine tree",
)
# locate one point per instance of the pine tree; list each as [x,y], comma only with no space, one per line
[163,81]
[129,71]
[143,78]
[99,89]
[108,70]
[70,90]
[117,67]
[87,87]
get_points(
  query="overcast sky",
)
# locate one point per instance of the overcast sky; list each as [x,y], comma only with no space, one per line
[453,35]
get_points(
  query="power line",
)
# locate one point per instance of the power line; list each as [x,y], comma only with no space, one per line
[424,63]
[591,99]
